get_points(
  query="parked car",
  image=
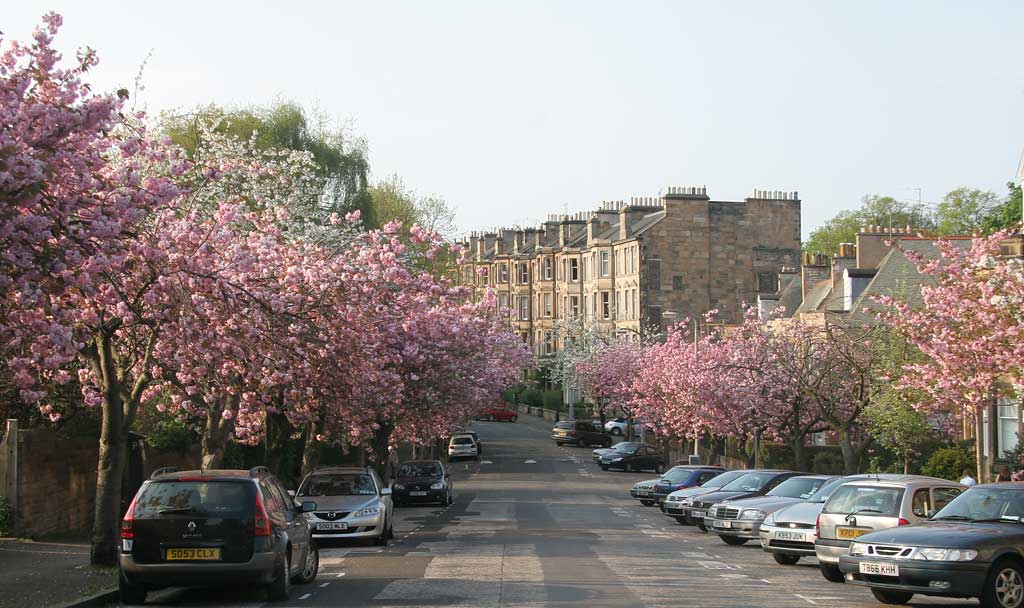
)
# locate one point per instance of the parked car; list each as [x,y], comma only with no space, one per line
[579,433]
[973,547]
[738,521]
[618,426]
[476,438]
[352,502]
[860,507]
[422,481]
[599,452]
[642,457]
[676,503]
[501,413]
[644,491]
[463,446]
[789,533]
[215,527]
[683,476]
[756,482]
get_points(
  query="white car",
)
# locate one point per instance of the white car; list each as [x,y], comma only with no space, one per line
[463,446]
[617,427]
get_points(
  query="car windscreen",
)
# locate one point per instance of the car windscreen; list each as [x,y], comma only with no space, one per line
[878,501]
[420,469]
[462,441]
[677,475]
[826,489]
[564,425]
[985,504]
[798,487]
[622,446]
[724,479]
[338,484]
[751,482]
[214,498]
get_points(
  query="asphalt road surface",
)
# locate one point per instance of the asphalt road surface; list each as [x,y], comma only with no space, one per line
[538,525]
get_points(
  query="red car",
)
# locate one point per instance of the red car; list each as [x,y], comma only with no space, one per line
[501,414]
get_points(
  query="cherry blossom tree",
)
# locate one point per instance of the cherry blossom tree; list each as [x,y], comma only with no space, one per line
[608,375]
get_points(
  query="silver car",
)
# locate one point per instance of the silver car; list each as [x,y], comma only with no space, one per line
[677,503]
[352,502]
[463,446]
[860,507]
[737,521]
[644,491]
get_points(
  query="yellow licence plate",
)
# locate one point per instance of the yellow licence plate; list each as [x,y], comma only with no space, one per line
[851,532]
[202,555]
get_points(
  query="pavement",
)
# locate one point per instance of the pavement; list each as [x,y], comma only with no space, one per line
[39,574]
[538,525]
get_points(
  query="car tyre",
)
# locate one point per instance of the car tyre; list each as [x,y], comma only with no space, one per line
[682,521]
[898,598]
[616,431]
[832,573]
[130,594]
[382,540]
[604,467]
[310,568]
[1005,584]
[786,560]
[647,503]
[659,469]
[579,443]
[451,499]
[735,541]
[280,589]
[701,526]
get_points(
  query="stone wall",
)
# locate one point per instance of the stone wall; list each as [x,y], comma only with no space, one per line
[56,484]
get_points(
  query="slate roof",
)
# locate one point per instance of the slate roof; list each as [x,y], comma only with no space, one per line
[791,297]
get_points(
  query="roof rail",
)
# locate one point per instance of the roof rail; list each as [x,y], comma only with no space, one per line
[163,471]
[260,470]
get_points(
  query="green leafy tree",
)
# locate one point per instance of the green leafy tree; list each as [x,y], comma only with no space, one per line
[1007,214]
[964,210]
[874,210]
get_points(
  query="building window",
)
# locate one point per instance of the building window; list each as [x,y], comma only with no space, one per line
[547,268]
[618,304]
[549,343]
[574,270]
[503,273]
[574,307]
[1008,416]
[484,276]
[636,305]
[605,263]
[524,273]
[503,302]
[547,305]
[606,305]
[584,270]
[524,308]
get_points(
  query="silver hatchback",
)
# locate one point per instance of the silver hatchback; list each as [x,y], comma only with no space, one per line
[860,507]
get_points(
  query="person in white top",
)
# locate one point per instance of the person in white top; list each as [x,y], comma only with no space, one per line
[967,479]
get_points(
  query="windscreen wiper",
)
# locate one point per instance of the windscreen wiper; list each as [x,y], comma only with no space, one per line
[178,510]
[859,511]
[952,518]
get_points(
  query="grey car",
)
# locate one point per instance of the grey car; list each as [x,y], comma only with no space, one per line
[352,502]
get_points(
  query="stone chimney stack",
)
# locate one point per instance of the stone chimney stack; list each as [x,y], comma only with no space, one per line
[847,258]
[816,268]
[873,243]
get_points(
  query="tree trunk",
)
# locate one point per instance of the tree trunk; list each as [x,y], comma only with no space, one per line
[799,454]
[379,445]
[113,453]
[278,432]
[850,455]
[311,451]
[906,464]
[979,445]
[218,430]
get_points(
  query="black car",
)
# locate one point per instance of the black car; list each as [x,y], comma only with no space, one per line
[599,452]
[421,481]
[580,433]
[634,457]
[676,504]
[973,547]
[684,476]
[757,482]
[215,527]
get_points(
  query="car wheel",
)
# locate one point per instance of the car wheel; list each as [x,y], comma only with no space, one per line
[616,431]
[1005,586]
[701,526]
[130,594]
[628,468]
[647,503]
[451,499]
[558,443]
[658,469]
[604,467]
[310,567]
[892,597]
[682,521]
[735,541]
[382,540]
[832,573]
[579,443]
[785,560]
[280,588]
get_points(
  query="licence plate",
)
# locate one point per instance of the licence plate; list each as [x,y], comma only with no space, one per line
[879,569]
[722,524]
[338,525]
[698,514]
[562,433]
[797,536]
[417,493]
[196,554]
[843,532]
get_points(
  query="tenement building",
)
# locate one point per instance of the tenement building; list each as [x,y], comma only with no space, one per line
[649,262]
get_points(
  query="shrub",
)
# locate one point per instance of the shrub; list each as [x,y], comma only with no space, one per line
[949,462]
[532,396]
[828,462]
[552,400]
[6,517]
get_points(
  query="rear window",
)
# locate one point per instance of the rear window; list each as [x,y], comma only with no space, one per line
[798,487]
[462,441]
[216,498]
[869,500]
[826,489]
[563,425]
[430,469]
[677,475]
[751,482]
[338,484]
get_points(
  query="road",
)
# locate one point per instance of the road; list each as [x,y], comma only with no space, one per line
[536,525]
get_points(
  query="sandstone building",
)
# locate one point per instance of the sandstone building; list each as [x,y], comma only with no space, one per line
[651,261]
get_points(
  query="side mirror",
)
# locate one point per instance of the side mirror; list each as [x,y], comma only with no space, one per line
[308,506]
[291,493]
[385,492]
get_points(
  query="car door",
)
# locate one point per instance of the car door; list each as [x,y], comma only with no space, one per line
[285,513]
[276,509]
[298,526]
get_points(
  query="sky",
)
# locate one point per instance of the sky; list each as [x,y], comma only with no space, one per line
[514,110]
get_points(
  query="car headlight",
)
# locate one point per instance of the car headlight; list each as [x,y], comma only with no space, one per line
[687,500]
[437,486]
[935,554]
[752,514]
[858,548]
[673,499]
[399,486]
[616,459]
[770,520]
[370,511]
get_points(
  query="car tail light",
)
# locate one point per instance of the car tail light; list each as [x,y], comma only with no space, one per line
[128,521]
[903,522]
[817,526]
[261,521]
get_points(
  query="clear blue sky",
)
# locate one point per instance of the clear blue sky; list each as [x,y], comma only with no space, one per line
[514,110]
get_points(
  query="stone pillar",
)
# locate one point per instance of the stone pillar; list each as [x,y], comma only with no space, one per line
[10,472]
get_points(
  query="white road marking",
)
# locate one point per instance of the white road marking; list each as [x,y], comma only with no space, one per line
[322,585]
[486,462]
[339,575]
[303,597]
[716,565]
[529,462]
